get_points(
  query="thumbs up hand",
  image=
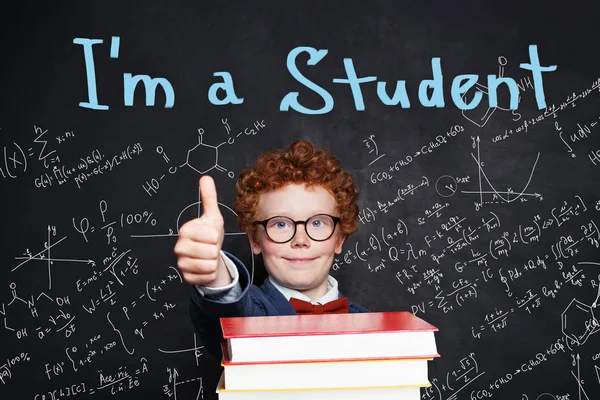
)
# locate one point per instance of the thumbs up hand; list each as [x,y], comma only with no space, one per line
[199,244]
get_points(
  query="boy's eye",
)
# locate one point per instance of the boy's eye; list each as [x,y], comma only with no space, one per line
[321,221]
[279,223]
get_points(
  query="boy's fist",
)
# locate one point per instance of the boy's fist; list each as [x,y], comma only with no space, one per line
[199,244]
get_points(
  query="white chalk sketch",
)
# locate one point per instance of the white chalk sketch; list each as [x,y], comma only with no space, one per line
[506,196]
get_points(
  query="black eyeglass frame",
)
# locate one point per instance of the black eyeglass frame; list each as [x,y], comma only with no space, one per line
[264,223]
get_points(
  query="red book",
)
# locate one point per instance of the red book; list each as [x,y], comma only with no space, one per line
[325,337]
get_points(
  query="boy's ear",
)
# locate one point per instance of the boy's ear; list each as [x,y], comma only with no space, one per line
[340,242]
[255,246]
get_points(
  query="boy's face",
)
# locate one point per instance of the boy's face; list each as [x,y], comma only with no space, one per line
[302,263]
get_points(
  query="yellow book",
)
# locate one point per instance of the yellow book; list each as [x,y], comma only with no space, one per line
[349,393]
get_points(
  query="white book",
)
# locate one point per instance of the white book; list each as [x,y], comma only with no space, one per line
[325,374]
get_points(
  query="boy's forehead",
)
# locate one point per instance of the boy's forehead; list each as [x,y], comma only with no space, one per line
[296,199]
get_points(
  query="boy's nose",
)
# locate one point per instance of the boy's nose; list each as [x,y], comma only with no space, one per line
[300,238]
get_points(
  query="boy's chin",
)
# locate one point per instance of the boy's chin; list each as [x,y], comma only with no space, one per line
[304,285]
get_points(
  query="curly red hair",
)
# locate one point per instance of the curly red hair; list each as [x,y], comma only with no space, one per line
[300,163]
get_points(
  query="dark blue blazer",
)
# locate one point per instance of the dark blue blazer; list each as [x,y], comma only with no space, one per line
[254,301]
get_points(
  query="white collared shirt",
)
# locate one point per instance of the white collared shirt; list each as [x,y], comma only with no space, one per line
[332,291]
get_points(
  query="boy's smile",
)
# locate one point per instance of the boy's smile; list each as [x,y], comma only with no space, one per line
[302,263]
[300,260]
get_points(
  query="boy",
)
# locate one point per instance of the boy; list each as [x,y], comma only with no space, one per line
[297,207]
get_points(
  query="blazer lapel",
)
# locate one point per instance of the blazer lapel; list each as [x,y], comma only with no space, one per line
[281,304]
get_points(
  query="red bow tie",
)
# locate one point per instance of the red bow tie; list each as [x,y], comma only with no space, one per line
[339,306]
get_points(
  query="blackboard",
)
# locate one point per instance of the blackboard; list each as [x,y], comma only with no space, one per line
[482,221]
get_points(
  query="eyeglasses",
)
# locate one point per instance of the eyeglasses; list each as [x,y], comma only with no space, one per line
[319,227]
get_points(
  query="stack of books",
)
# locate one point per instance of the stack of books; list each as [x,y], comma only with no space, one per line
[323,356]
